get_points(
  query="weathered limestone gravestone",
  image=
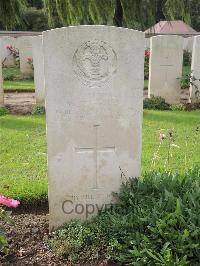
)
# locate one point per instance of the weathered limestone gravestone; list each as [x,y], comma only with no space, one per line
[165,66]
[95,79]
[1,88]
[38,61]
[195,67]
[7,58]
[24,44]
[188,44]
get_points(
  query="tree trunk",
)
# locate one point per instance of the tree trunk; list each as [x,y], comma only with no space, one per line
[118,16]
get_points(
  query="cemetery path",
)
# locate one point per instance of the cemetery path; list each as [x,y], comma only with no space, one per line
[19,103]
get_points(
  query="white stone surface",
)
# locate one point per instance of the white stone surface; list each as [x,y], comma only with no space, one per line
[94,77]
[1,88]
[165,67]
[6,57]
[147,43]
[38,62]
[188,44]
[24,44]
[194,95]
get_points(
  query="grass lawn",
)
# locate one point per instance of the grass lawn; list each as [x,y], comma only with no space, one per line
[18,85]
[23,164]
[23,157]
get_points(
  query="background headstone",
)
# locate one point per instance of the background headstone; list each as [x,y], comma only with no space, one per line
[195,70]
[188,44]
[95,81]
[7,57]
[38,62]
[24,44]
[165,67]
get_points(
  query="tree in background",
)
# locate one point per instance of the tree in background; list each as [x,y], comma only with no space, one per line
[139,14]
[41,15]
[11,12]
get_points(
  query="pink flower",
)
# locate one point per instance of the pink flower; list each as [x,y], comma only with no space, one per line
[147,53]
[9,46]
[9,202]
[29,59]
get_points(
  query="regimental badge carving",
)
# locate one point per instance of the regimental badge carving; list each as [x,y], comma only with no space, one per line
[94,62]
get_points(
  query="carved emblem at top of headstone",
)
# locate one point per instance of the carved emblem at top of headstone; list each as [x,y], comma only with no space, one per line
[94,62]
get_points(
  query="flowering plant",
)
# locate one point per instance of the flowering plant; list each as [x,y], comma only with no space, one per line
[5,218]
[147,53]
[12,51]
[30,61]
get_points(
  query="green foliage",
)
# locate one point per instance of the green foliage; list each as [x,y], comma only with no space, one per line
[187,58]
[146,65]
[4,219]
[35,20]
[185,81]
[155,222]
[177,107]
[11,13]
[3,111]
[155,103]
[12,73]
[38,110]
[138,14]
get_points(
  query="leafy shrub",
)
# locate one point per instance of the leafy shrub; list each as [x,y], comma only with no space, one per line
[185,80]
[177,107]
[146,65]
[155,103]
[5,219]
[187,58]
[155,222]
[192,106]
[12,73]
[3,111]
[38,110]
[9,76]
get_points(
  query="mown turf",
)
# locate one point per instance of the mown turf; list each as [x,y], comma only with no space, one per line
[23,163]
[23,157]
[23,85]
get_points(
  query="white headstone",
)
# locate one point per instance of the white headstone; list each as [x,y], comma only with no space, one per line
[165,67]
[24,44]
[188,44]
[1,88]
[95,78]
[38,61]
[194,95]
[7,43]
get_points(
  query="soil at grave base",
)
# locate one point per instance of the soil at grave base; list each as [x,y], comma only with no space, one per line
[28,243]
[19,103]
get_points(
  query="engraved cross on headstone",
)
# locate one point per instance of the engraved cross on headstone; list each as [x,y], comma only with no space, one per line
[166,65]
[96,149]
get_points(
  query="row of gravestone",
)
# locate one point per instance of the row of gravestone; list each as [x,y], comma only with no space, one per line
[165,68]
[166,57]
[26,48]
[94,80]
[22,45]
